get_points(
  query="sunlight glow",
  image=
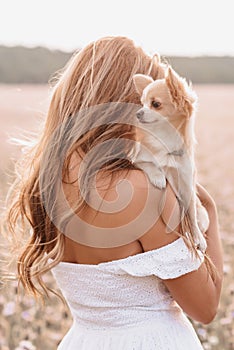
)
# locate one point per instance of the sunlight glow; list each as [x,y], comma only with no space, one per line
[170,27]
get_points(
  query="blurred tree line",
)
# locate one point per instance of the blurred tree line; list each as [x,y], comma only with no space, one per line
[30,65]
[37,65]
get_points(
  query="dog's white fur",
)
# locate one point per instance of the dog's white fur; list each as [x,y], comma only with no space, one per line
[166,149]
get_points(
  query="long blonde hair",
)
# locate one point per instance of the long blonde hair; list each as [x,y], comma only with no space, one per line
[99,74]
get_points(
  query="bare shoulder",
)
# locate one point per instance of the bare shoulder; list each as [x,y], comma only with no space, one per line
[166,226]
[137,177]
[161,209]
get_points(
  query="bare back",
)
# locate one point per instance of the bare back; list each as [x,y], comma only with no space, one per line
[108,189]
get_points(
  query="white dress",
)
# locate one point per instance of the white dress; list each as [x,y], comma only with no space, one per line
[124,305]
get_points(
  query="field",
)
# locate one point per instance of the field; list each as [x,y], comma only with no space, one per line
[22,108]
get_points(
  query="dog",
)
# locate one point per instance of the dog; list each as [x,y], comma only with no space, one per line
[166,148]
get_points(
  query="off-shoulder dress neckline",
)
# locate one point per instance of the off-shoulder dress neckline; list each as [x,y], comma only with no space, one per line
[128,258]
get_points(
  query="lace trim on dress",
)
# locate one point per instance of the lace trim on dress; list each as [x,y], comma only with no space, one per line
[170,261]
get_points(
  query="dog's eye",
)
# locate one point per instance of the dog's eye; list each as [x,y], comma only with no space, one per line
[155,104]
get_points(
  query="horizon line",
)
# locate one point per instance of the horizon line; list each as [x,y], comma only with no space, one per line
[70,51]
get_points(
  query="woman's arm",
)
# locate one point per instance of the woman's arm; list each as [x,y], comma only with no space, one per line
[214,246]
[196,292]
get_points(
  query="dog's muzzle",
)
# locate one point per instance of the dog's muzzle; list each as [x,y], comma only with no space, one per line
[140,113]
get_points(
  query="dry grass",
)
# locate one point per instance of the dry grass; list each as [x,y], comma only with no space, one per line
[22,108]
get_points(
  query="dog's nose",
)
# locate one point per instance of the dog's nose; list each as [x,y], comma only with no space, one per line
[140,113]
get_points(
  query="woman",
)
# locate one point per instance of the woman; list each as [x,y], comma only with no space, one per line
[100,225]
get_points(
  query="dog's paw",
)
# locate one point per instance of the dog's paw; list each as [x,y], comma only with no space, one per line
[158,181]
[200,241]
[202,245]
[202,219]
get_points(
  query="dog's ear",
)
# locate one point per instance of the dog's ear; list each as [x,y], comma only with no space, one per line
[160,66]
[181,93]
[157,58]
[141,81]
[175,84]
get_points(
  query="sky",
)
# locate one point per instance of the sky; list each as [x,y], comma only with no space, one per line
[176,27]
